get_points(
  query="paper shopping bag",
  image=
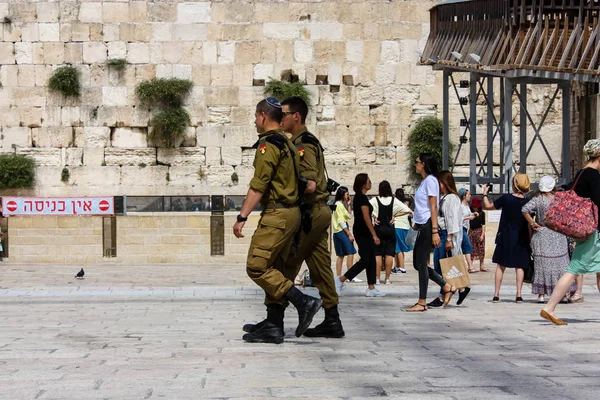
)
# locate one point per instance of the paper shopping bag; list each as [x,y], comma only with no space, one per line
[454,271]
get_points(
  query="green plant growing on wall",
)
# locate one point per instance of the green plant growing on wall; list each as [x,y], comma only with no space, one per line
[169,124]
[164,92]
[66,81]
[201,174]
[235,178]
[65,175]
[118,64]
[16,171]
[282,90]
[426,137]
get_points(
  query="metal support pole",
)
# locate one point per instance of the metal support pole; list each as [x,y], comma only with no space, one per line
[566,132]
[490,126]
[502,136]
[446,119]
[474,79]
[523,129]
[508,150]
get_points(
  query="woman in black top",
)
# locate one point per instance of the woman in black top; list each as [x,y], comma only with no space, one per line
[364,235]
[586,256]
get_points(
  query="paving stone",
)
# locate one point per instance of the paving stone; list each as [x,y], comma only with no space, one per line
[175,332]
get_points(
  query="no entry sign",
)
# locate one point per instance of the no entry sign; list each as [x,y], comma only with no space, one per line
[58,206]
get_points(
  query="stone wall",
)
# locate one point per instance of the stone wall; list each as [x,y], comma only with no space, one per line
[365,51]
[165,238]
[181,238]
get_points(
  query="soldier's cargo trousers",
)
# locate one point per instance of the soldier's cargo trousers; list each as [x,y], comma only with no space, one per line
[314,249]
[269,248]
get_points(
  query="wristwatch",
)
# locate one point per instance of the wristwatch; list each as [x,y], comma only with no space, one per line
[241,219]
[449,240]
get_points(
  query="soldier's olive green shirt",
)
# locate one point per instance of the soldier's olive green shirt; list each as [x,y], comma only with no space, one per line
[312,167]
[274,174]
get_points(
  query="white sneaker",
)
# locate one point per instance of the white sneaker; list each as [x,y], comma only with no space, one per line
[402,270]
[356,280]
[378,282]
[374,293]
[339,285]
[388,282]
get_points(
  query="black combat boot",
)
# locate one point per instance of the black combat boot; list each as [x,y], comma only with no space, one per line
[331,327]
[270,330]
[307,307]
[271,309]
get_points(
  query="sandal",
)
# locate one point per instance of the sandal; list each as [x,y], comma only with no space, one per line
[448,295]
[483,269]
[518,299]
[555,320]
[413,309]
[472,271]
[576,298]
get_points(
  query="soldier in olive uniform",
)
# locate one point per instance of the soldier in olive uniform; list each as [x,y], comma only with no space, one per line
[314,237]
[275,187]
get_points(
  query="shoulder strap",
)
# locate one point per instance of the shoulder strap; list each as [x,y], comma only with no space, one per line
[307,137]
[577,180]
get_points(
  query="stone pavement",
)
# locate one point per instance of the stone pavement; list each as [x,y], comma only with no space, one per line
[174,332]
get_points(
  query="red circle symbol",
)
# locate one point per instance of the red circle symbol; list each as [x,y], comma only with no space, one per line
[11,206]
[103,205]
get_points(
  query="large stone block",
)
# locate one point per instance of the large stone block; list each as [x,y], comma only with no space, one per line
[91,137]
[219,175]
[221,96]
[219,116]
[16,136]
[244,136]
[138,53]
[49,32]
[181,156]
[48,12]
[303,51]
[185,175]
[73,53]
[369,95]
[188,13]
[74,157]
[114,96]
[281,31]
[93,156]
[385,155]
[23,53]
[7,53]
[355,51]
[90,12]
[54,53]
[129,137]
[115,12]
[94,52]
[213,155]
[129,156]
[221,75]
[210,135]
[231,155]
[43,157]
[365,155]
[353,115]
[52,136]
[30,33]
[340,155]
[144,175]
[226,52]
[326,31]
[187,32]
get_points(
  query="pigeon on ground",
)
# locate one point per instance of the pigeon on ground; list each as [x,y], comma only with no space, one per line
[80,274]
